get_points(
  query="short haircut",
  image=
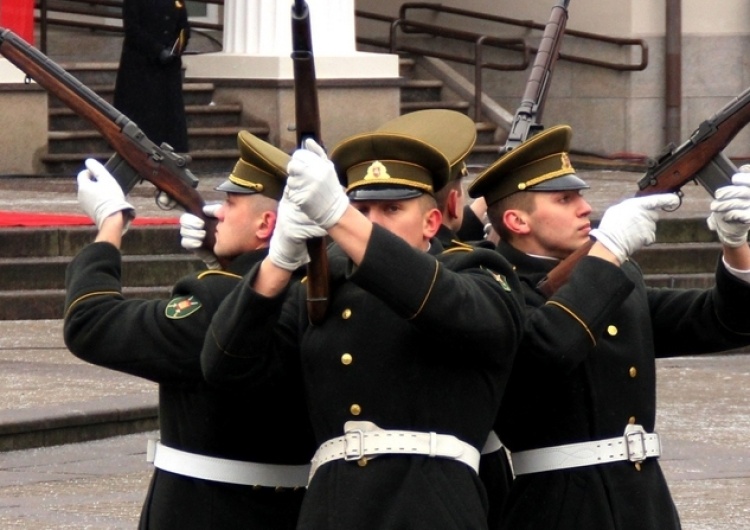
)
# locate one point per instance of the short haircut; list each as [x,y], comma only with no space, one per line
[441,196]
[522,200]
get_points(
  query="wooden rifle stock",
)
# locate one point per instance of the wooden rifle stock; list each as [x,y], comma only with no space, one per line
[307,118]
[136,156]
[700,159]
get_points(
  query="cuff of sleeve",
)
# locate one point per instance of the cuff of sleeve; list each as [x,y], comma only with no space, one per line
[743,275]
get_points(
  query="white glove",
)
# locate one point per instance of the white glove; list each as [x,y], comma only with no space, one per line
[730,210]
[288,248]
[314,186]
[192,232]
[100,195]
[630,225]
[165,201]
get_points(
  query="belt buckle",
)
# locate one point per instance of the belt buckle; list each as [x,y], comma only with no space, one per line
[354,444]
[635,441]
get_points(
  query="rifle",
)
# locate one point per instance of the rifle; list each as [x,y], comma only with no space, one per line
[699,159]
[136,157]
[307,117]
[527,120]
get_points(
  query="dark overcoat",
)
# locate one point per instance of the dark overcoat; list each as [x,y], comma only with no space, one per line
[586,368]
[161,340]
[494,468]
[410,342]
[148,91]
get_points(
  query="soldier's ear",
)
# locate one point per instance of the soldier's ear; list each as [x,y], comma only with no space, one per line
[516,221]
[432,221]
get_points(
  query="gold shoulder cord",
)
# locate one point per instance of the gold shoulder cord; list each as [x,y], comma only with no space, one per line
[577,319]
[89,295]
[429,291]
[223,273]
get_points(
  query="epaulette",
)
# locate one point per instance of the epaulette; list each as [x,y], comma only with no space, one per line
[222,273]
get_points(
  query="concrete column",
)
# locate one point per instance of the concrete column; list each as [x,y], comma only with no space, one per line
[255,69]
[263,27]
[22,140]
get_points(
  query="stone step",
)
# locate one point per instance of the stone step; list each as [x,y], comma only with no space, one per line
[45,242]
[681,281]
[44,304]
[203,161]
[23,274]
[678,258]
[219,115]
[192,93]
[200,138]
[421,90]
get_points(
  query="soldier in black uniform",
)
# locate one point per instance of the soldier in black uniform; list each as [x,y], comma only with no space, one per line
[404,375]
[455,134]
[579,412]
[227,458]
[148,88]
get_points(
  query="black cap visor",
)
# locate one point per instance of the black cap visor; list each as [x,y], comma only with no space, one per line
[383,193]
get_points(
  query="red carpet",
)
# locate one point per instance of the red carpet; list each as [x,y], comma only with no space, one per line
[8,218]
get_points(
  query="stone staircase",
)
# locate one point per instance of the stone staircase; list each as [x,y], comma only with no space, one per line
[422,91]
[212,128]
[33,263]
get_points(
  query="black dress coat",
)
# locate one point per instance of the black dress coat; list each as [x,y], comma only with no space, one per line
[429,343]
[147,90]
[494,468]
[266,423]
[586,369]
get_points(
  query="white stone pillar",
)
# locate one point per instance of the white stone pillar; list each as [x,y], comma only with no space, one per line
[258,43]
[263,27]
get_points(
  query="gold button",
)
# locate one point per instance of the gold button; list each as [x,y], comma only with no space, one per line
[637,466]
[631,420]
[362,462]
[355,409]
[612,330]
[633,371]
[346,313]
[346,359]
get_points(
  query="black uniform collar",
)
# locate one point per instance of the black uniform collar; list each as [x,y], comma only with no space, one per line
[244,262]
[528,268]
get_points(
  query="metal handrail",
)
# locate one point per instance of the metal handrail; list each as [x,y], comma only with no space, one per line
[530,24]
[93,8]
[479,43]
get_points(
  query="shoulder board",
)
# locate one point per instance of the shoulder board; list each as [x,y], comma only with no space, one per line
[222,273]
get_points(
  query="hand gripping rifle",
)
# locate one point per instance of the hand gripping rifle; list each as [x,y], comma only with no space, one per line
[136,157]
[307,117]
[527,120]
[699,159]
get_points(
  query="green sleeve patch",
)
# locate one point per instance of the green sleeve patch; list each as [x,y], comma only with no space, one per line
[181,307]
[499,278]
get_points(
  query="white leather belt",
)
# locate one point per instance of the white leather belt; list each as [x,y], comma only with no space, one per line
[493,444]
[224,470]
[635,445]
[365,439]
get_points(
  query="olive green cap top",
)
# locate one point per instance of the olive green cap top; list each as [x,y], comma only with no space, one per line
[541,163]
[389,166]
[260,169]
[452,132]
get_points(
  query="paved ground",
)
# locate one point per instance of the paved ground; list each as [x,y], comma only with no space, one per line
[703,419]
[100,484]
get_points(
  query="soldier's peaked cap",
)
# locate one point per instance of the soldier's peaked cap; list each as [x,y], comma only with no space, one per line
[541,163]
[260,169]
[452,132]
[388,166]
